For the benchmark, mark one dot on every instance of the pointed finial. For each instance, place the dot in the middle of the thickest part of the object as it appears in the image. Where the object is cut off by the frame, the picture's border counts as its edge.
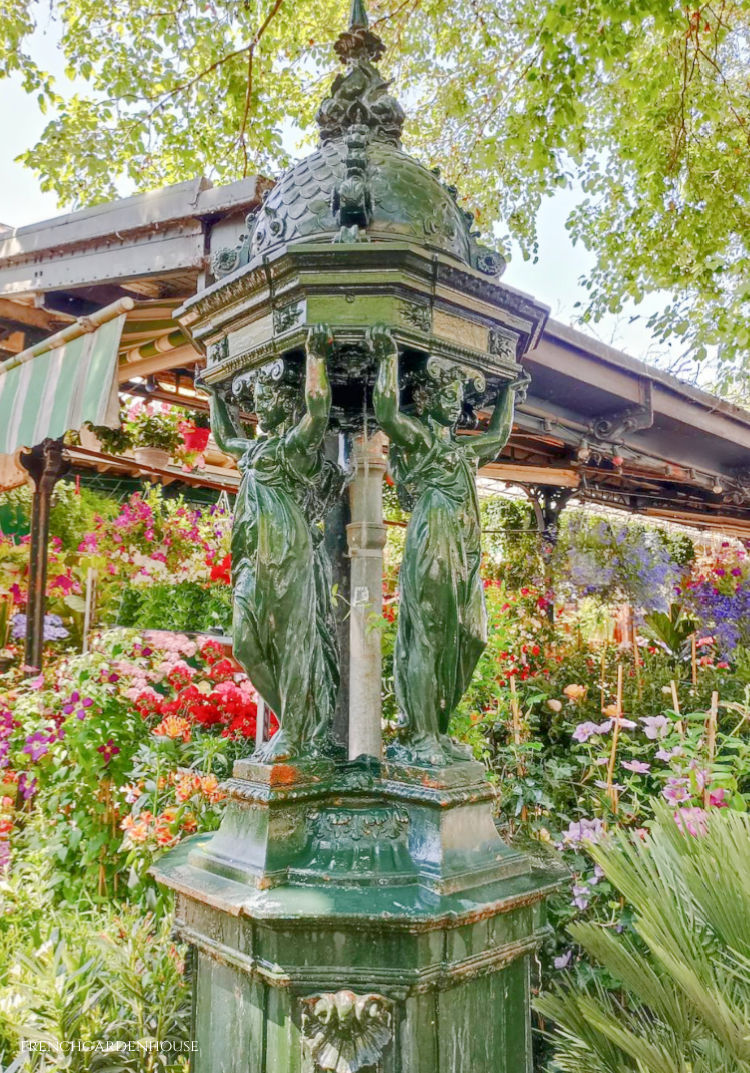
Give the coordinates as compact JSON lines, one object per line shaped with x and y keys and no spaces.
{"x":358,"y":18}
{"x":358,"y":42}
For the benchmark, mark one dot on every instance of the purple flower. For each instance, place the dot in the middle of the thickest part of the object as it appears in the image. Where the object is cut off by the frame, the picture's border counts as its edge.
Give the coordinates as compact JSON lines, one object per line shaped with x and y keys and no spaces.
{"x":606,"y":786}
{"x":4,"y":854}
{"x":584,"y":731}
{"x":655,"y":726}
{"x":53,"y":627}
{"x":583,"y":830}
{"x":626,"y":724}
{"x":36,"y":745}
{"x":580,"y":896}
{"x":26,"y":786}
{"x":636,"y":765}
{"x":563,"y":961}
{"x":668,"y":754}
{"x":108,"y":750}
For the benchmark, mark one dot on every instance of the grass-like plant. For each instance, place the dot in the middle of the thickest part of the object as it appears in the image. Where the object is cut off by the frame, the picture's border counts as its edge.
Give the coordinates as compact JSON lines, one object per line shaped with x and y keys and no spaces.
{"x":683,"y":1002}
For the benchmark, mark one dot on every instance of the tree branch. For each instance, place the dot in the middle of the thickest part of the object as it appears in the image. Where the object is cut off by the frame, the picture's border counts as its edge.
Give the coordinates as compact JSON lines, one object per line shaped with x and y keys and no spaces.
{"x":249,"y":92}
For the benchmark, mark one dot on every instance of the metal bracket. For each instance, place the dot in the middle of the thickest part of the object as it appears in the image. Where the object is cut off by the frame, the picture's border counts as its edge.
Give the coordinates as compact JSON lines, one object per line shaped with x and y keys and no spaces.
{"x":619,"y":423}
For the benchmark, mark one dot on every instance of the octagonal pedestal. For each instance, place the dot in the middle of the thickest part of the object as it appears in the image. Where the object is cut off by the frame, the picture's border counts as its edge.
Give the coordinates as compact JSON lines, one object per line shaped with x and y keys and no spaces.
{"x":358,"y":917}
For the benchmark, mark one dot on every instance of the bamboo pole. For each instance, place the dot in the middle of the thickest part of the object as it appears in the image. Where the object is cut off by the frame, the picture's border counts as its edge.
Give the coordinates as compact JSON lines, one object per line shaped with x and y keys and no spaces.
{"x":516,"y":713}
{"x":693,"y":660}
{"x":602,"y":674}
{"x":711,"y":725}
{"x":88,"y":607}
{"x":636,"y":658}
{"x":79,"y":327}
{"x":611,"y":791}
{"x":676,"y":707}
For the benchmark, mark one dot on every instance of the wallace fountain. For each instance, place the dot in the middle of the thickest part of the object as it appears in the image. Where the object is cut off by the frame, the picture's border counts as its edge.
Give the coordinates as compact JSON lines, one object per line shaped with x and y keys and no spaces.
{"x":357,"y":909}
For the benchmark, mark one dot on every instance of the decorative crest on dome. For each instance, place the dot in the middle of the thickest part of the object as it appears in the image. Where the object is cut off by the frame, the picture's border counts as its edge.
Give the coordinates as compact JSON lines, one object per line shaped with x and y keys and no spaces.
{"x":358,"y":41}
{"x":360,"y":96}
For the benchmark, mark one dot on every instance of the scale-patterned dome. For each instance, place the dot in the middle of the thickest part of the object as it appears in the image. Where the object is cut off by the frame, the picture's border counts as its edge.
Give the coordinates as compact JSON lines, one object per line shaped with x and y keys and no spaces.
{"x":359,"y":184}
{"x":406,"y":200}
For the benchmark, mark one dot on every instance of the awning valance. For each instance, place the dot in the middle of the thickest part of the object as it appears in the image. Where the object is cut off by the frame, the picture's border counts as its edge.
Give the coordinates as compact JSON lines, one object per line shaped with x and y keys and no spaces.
{"x":63,"y":382}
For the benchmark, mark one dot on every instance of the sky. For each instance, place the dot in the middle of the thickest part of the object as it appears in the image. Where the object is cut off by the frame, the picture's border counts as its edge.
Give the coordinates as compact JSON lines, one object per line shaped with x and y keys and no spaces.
{"x":553,"y":280}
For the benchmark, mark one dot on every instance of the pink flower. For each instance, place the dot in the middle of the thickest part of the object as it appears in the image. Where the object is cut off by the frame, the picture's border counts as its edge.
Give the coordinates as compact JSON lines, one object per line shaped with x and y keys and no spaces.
{"x":718,"y":798}
{"x":668,"y":754}
{"x":691,"y":821}
{"x":655,"y":726}
{"x":637,"y":766}
{"x":676,"y":791}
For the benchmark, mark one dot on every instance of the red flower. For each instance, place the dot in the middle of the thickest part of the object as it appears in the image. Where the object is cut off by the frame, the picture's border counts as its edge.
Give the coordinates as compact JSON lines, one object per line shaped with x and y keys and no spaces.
{"x":223,"y":670}
{"x":212,"y":651}
{"x":221,"y":571}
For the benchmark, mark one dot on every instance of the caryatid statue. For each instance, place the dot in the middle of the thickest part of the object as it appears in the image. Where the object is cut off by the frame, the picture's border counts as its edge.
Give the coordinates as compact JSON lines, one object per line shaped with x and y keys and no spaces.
{"x":283,"y":627}
{"x":442,"y":623}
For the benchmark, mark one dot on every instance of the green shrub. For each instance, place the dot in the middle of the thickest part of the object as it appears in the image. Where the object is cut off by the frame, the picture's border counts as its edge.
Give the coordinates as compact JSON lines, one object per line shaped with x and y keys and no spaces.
{"x":682,"y":1000}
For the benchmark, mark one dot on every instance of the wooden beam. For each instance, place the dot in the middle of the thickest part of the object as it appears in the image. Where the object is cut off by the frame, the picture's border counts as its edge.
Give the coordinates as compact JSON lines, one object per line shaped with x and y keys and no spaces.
{"x":13,"y":343}
{"x":171,"y":359}
{"x":518,"y":474}
{"x":28,"y":315}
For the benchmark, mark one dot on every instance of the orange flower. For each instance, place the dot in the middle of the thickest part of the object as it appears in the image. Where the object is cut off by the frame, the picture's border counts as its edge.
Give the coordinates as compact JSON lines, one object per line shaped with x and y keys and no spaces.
{"x":575,"y":692}
{"x":189,"y":822}
{"x":174,"y":726}
{"x":210,"y":787}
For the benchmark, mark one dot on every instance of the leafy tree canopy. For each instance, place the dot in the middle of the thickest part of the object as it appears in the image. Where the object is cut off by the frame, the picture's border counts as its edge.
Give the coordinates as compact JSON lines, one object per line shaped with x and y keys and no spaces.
{"x":644,"y":103}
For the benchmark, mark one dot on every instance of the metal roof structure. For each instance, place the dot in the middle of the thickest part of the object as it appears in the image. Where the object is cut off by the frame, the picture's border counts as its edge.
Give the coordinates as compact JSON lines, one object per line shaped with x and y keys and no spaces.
{"x":597,"y":423}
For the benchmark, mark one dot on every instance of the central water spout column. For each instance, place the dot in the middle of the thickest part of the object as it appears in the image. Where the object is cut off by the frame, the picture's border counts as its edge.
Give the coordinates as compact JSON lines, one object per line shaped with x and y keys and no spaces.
{"x":366,"y":537}
{"x":357,"y":910}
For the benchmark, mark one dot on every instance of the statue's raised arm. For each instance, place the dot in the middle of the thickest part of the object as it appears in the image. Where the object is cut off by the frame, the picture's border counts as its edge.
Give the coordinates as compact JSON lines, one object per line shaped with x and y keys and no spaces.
{"x":402,"y":430}
{"x":307,"y":435}
{"x":222,"y":426}
{"x":487,"y":445}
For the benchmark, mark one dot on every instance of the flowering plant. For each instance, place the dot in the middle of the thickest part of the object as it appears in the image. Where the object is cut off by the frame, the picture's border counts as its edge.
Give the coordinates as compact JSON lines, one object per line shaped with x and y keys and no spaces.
{"x":121,"y":750}
{"x":717,"y":591}
{"x":152,"y":425}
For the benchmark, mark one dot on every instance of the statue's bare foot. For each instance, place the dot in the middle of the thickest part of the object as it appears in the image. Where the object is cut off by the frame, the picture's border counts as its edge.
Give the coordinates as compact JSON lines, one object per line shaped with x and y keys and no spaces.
{"x":456,"y":750}
{"x":424,"y":751}
{"x":274,"y":750}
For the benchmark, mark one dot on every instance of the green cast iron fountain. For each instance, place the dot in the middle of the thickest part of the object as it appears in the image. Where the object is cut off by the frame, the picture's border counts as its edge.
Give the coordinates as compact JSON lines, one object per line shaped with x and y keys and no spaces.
{"x":358,"y":911}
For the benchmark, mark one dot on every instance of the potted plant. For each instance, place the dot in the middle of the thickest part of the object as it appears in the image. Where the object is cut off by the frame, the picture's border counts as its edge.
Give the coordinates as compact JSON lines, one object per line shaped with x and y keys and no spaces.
{"x":110,"y":441}
{"x":194,"y":429}
{"x":154,"y":431}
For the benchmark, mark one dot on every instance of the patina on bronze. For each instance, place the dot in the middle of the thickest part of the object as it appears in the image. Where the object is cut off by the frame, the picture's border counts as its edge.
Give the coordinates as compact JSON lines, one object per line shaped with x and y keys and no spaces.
{"x":362,"y":914}
{"x":442,"y":622}
{"x":283,"y":629}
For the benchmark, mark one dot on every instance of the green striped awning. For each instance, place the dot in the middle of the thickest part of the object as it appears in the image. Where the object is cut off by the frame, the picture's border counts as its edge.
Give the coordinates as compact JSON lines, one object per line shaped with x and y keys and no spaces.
{"x":50,"y":393}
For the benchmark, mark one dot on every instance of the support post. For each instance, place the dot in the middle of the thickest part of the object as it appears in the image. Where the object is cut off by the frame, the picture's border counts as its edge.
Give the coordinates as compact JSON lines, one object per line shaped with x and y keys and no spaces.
{"x":548,"y":503}
{"x":45,"y":464}
{"x":338,"y":518}
{"x":366,"y":537}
